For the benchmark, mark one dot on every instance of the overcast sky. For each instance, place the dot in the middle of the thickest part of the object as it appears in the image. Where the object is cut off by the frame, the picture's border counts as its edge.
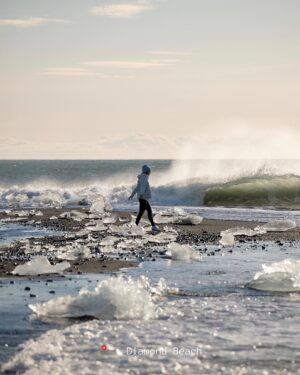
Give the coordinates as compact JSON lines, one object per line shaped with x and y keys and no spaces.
{"x":149,"y":79}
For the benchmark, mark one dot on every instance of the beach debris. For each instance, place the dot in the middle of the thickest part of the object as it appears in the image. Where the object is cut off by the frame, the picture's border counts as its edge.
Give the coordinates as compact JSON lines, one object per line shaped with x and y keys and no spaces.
{"x":182,"y":252}
{"x":281,"y":276}
{"x":115,"y":298}
{"x":40,"y":265}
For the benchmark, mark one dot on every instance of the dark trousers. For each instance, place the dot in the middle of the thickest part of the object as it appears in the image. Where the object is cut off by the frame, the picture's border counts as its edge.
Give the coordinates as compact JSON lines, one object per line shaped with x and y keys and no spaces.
{"x":144,"y":205}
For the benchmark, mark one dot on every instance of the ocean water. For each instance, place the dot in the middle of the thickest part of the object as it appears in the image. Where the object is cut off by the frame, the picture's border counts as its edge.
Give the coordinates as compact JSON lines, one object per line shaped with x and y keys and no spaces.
{"x":192,"y":183}
{"x":230,"y":311}
{"x":223,"y":314}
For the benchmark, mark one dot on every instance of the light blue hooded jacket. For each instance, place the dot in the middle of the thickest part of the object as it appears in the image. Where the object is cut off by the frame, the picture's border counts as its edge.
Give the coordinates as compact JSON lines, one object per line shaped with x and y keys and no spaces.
{"x":142,"y":188}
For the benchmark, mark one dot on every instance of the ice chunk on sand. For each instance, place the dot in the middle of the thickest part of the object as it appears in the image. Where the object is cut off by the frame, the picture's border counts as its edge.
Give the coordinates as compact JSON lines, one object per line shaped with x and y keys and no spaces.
{"x":115,"y":298}
{"x":281,"y":276}
{"x":40,"y":265}
{"x":191,"y":219}
{"x":162,"y":238}
{"x":175,"y":211}
{"x":97,"y":228}
{"x":170,"y":230}
{"x":109,"y":241}
{"x":82,"y":232}
{"x":182,"y":252}
{"x":227,"y":239}
{"x":100,"y":206}
{"x":274,"y":226}
{"x":21,"y":213}
{"x":74,"y":252}
{"x":110,"y":220}
{"x":278,"y":226}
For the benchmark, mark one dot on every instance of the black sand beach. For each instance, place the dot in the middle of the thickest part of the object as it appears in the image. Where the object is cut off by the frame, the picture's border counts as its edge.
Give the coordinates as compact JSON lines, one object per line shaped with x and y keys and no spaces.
{"x":208,"y":232}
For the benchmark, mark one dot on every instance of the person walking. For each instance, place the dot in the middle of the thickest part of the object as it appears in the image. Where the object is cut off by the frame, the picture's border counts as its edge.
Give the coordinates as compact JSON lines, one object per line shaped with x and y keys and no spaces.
{"x":143,"y":192}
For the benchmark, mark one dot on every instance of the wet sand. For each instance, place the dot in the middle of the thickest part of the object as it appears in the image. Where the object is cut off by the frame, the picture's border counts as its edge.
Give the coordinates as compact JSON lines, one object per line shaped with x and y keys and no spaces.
{"x":208,"y":232}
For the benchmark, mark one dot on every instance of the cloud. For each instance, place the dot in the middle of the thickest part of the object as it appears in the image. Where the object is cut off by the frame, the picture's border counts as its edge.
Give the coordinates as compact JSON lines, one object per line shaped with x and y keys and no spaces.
{"x":67,"y":72}
{"x":120,"y":10}
{"x":129,"y":64}
{"x":133,"y":146}
{"x":30,"y":22}
{"x":170,"y":53}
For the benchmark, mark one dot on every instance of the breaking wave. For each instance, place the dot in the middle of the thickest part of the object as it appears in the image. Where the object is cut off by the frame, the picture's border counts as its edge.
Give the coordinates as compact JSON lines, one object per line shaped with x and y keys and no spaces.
{"x":256,"y":191}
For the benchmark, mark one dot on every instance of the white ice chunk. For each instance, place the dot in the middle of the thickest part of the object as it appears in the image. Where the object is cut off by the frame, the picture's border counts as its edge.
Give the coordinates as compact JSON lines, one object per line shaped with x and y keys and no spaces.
{"x":108,"y":249}
{"x":36,"y":213}
{"x":79,"y":215}
{"x":175,"y":211}
{"x":191,"y":219}
{"x":97,"y":228}
{"x":100,"y":206}
{"x":21,"y":213}
{"x":170,"y":230}
{"x":82,"y":232}
{"x":53,"y":218}
{"x":274,"y":226}
{"x":74,"y":252}
{"x":109,"y":241}
{"x":281,"y":276}
{"x":278,"y":226}
{"x":40,"y":265}
{"x":115,"y":298}
{"x":227,"y":239}
{"x":110,"y":220}
{"x":162,"y":238}
{"x":182,"y":252}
